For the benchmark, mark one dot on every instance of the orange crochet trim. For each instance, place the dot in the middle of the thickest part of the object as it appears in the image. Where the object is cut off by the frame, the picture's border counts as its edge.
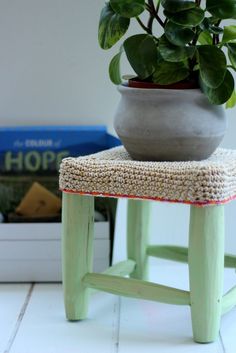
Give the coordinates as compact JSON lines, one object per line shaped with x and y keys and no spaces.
{"x":195,"y":203}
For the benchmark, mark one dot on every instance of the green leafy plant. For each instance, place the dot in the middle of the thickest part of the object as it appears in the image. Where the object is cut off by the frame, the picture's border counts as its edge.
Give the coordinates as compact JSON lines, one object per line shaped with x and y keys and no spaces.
{"x":194,"y":44}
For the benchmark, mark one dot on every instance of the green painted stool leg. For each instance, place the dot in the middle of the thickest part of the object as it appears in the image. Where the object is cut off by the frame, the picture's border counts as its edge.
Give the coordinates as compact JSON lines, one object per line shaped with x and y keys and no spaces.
{"x":137,"y":236}
{"x":77,"y":249}
{"x":206,"y":266}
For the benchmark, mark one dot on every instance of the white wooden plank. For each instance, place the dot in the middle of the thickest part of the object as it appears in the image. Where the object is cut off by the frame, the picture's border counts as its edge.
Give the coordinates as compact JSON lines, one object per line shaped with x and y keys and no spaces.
{"x":40,"y":271}
{"x":40,"y":261}
{"x":157,"y":327}
{"x":12,"y":299}
{"x":43,"y":231}
{"x":44,"y":250}
{"x":44,"y":328}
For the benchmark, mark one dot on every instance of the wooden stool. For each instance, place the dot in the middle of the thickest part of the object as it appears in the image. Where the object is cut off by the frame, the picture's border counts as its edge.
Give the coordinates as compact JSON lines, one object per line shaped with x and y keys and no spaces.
{"x":206,"y":185}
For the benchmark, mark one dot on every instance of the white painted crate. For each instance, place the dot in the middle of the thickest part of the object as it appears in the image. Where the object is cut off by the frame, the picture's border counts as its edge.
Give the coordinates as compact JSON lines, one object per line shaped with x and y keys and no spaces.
{"x":31,"y":252}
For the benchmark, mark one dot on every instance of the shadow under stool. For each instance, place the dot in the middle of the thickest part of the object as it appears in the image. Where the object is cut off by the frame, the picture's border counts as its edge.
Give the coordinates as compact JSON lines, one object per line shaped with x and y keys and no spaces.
{"x":205,"y":185}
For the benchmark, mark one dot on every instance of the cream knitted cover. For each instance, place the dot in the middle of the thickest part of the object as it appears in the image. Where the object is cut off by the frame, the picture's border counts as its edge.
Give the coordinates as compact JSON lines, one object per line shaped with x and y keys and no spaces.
{"x":113,"y":173}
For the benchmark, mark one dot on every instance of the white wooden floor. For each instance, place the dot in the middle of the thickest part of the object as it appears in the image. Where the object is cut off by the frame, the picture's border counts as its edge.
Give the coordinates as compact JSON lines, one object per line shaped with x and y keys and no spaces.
{"x":32,"y":321}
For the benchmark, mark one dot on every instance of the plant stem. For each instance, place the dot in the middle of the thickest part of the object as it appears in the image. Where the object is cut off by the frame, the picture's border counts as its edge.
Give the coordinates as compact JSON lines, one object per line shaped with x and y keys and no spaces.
{"x":148,"y":7}
{"x":150,"y":23}
{"x":146,"y":29}
{"x":151,"y":8}
{"x":159,"y":20}
{"x":191,"y":64}
{"x":195,"y":39}
{"x":151,"y":18}
{"x":150,"y":3}
{"x":158,"y":5}
{"x":216,"y":37}
{"x":194,"y":42}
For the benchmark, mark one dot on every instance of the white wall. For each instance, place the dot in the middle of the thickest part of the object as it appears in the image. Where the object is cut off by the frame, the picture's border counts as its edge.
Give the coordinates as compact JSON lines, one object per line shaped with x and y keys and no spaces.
{"x":51,"y":67}
{"x":52,"y":71}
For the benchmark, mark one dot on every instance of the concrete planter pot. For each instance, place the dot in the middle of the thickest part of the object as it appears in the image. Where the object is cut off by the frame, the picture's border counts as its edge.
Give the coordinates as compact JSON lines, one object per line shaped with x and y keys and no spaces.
{"x":168,"y":124}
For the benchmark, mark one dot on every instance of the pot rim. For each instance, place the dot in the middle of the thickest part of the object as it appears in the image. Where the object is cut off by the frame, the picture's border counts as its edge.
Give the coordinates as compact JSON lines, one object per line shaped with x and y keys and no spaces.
{"x":124,"y":88}
{"x":182,"y":85}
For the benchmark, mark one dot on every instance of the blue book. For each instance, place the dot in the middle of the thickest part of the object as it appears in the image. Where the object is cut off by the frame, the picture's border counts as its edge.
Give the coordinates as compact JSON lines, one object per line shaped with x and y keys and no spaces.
{"x":40,"y":149}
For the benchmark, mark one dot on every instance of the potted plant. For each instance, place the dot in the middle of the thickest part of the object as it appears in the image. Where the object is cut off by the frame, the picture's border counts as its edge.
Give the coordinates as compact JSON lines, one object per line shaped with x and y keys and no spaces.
{"x":183,"y":60}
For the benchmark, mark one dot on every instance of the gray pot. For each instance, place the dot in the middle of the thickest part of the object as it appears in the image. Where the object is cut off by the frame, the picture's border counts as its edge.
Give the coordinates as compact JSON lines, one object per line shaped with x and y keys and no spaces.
{"x":168,"y":125}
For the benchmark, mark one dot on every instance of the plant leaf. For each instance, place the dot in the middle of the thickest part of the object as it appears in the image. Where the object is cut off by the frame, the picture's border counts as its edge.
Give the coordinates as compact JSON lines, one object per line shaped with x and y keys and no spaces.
{"x":141,"y":51}
{"x":212,"y":64}
{"x":173,"y":53}
{"x":208,"y":25}
{"x":222,"y":93}
{"x":215,"y":30}
{"x":128,"y":77}
{"x":178,"y":35}
{"x":188,"y":18}
{"x":177,"y":5}
{"x":167,"y":72}
{"x":205,"y":24}
{"x":205,"y":38}
{"x":221,"y":8}
{"x":128,"y":8}
{"x":229,"y":34}
{"x":114,"y":69}
{"x":232,"y":53}
{"x":111,"y":27}
{"x":232,"y":101}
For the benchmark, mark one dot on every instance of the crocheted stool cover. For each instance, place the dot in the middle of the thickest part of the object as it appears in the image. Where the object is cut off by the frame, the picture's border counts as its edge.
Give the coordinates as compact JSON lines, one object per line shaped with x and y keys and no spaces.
{"x":113,"y":173}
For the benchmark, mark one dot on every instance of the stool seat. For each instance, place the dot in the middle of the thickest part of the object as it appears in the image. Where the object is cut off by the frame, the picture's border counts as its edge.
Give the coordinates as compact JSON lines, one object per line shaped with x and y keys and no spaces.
{"x":113,"y":173}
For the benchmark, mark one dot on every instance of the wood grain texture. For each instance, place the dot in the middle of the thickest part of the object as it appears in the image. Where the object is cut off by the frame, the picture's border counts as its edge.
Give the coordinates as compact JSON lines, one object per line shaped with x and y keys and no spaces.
{"x":134,"y":288}
{"x":77,"y":248}
{"x":138,"y":216}
{"x":206,"y":265}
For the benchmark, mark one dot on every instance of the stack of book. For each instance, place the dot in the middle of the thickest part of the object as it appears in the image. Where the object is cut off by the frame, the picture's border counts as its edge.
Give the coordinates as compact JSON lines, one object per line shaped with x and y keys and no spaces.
{"x":30,"y":202}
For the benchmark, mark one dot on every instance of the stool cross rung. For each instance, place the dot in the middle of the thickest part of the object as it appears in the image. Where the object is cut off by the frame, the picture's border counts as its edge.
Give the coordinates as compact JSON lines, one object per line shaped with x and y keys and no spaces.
{"x":122,"y":268}
{"x":229,"y":300}
{"x":180,"y":254}
{"x":174,"y":253}
{"x":135,"y":288}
